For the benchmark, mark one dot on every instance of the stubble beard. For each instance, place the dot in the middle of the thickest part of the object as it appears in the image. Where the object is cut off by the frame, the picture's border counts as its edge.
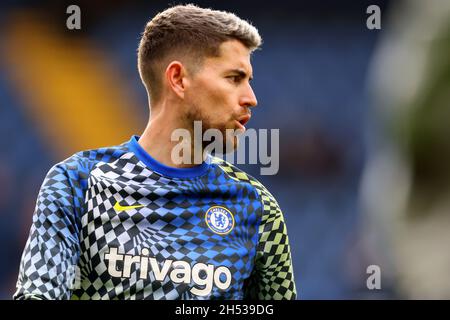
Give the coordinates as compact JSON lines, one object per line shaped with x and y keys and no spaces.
{"x":195,"y":114}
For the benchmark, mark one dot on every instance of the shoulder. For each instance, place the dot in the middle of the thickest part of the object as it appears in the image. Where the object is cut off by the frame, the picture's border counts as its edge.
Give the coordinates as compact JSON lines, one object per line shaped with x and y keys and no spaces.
{"x":241,"y":176}
{"x":77,"y":166}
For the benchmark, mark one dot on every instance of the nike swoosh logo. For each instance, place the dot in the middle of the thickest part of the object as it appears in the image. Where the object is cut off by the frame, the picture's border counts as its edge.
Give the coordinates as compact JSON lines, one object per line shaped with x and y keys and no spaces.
{"x":119,"y":207}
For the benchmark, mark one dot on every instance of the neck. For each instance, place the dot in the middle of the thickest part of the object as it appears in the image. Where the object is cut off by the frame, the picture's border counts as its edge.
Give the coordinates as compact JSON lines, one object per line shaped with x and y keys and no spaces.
{"x":156,"y":138}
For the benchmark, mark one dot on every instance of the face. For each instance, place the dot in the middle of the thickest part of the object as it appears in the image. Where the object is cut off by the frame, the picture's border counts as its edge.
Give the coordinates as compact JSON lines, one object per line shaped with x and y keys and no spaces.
{"x":219,"y":93}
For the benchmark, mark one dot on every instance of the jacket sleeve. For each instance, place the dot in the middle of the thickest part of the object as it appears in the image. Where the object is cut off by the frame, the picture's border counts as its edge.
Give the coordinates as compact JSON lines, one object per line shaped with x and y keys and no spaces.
{"x":272,"y":277}
{"x":48,"y":263}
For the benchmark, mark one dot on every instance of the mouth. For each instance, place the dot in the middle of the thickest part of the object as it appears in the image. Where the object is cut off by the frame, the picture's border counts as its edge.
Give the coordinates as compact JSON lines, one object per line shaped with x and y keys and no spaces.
{"x":242,"y":121}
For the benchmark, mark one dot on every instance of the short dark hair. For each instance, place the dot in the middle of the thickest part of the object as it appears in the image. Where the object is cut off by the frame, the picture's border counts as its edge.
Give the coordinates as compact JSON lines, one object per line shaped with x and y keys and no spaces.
{"x":191,"y":32}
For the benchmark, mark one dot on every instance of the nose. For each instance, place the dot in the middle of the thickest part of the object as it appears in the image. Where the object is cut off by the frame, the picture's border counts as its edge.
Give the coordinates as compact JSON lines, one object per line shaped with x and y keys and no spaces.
{"x":248,"y":98}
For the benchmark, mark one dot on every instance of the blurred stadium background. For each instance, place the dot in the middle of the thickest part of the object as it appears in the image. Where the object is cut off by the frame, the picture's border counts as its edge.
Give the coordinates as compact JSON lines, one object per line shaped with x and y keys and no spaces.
{"x":325,"y":80}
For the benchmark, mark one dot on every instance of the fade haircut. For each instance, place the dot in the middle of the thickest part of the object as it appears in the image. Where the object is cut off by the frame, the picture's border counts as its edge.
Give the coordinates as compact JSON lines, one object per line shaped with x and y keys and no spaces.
{"x":191,"y":33}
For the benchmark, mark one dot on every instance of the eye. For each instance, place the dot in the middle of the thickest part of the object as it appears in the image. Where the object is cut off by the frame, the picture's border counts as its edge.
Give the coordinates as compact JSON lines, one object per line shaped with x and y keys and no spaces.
{"x":235,"y":78}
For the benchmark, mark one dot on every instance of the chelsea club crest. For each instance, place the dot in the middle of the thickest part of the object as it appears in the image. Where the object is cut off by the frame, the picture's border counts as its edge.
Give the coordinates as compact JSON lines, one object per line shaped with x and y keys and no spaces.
{"x":219,"y":219}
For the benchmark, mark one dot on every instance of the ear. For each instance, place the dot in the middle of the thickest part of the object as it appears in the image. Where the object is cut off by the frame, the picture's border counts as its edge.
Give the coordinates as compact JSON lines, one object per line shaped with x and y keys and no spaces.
{"x":176,"y":77}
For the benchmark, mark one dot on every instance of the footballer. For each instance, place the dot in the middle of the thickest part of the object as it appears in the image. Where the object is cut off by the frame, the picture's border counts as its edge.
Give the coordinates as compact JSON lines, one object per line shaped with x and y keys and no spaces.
{"x":128,"y":222}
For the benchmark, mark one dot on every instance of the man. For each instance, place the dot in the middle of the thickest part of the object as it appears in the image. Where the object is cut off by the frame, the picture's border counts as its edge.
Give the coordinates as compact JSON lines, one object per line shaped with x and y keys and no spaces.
{"x":132,"y":222}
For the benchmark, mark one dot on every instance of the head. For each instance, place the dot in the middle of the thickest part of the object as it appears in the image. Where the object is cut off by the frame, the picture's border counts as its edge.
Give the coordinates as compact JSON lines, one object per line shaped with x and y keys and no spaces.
{"x":197,"y":62}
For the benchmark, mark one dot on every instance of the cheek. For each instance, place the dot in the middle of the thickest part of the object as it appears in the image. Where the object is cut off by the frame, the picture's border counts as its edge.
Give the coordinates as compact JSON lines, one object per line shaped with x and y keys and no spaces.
{"x":212,"y":99}
{"x":214,"y":89}
{"x":216,"y":96}
{"x":216,"y":102}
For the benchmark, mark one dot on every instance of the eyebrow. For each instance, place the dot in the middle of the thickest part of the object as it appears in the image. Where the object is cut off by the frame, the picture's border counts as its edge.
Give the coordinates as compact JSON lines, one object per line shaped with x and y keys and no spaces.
{"x":241,"y":73}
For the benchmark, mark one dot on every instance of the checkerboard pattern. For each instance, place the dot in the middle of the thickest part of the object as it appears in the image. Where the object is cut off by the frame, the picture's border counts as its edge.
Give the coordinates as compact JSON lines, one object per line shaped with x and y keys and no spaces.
{"x":75,"y":224}
{"x":273,"y":276}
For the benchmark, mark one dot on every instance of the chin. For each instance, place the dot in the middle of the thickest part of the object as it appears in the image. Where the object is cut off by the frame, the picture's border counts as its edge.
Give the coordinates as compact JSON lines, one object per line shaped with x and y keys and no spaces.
{"x":232,"y":141}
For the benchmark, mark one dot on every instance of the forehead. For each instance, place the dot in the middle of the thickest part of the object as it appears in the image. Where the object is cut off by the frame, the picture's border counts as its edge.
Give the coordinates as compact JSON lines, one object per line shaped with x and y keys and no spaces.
{"x":233,"y":55}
